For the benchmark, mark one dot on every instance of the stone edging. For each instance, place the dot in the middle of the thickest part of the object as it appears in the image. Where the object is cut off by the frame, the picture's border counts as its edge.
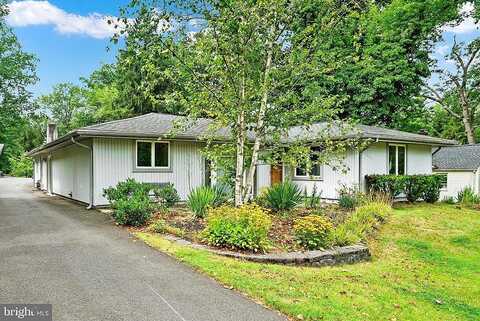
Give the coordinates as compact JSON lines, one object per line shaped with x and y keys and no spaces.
{"x":335,"y":256}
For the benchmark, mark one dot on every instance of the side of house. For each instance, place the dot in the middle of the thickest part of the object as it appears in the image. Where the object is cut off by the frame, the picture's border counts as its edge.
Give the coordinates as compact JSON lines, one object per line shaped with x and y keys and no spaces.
{"x":459,"y":167}
{"x":82,"y":163}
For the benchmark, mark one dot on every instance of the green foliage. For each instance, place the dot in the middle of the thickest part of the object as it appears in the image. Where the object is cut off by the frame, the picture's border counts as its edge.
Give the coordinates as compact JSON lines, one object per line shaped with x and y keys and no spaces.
{"x":167,"y":195}
{"x":244,"y":228}
{"x":283,"y":196}
{"x":468,"y":197}
{"x":312,"y":232}
{"x":130,"y":202}
{"x":313,"y":200}
{"x":21,"y":166}
{"x":200,"y":199}
{"x":348,"y":197}
{"x":361,"y":223}
{"x":159,"y":226}
{"x":413,"y":186}
{"x":448,"y":200}
{"x":432,"y":186}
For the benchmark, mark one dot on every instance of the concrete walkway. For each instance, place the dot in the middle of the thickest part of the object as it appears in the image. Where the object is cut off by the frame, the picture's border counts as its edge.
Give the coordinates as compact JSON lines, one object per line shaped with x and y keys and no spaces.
{"x":55,"y":251}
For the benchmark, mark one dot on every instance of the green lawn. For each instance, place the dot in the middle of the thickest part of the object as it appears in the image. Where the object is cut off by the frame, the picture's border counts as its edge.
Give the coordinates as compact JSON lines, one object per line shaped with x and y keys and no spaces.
{"x":426,"y":266}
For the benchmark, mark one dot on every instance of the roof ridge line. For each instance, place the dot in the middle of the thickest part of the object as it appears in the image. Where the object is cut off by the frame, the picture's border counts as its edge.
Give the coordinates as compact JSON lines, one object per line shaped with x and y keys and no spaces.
{"x":116,"y":121}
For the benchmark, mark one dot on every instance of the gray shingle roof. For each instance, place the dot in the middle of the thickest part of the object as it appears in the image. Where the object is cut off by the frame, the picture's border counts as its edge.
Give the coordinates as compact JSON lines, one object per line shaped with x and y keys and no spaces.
{"x":155,"y":125}
{"x":457,"y":157}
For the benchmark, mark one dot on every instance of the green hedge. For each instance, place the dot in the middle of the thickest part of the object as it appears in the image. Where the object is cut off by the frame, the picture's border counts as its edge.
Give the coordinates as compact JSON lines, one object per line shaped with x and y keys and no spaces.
{"x":426,"y":187}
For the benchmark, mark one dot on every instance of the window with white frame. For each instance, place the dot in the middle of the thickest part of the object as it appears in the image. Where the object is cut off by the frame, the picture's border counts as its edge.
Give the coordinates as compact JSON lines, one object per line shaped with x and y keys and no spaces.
{"x":152,"y":154}
{"x":397,"y":155}
{"x":316,"y":168}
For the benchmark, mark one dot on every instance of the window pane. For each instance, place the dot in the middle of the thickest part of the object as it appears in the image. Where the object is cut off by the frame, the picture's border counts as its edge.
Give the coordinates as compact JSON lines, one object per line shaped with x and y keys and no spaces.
{"x":401,"y":160}
{"x":144,"y":154}
{"x":316,"y":170}
{"x":392,"y":159}
{"x":300,"y":171}
{"x":161,"y":155}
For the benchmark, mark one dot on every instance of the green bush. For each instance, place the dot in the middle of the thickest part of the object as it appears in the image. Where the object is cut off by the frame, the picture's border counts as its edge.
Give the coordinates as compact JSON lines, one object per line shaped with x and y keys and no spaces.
{"x":167,"y":195}
{"x":432,"y":186}
{"x":362,"y":222}
{"x":21,"y":166}
{"x":244,"y":228}
{"x":159,"y":226}
{"x":448,"y":200}
{"x":283,"y":196}
{"x":468,"y":196}
{"x":223,"y":193}
{"x":130,"y":202}
{"x":413,"y":186}
{"x":312,"y":232}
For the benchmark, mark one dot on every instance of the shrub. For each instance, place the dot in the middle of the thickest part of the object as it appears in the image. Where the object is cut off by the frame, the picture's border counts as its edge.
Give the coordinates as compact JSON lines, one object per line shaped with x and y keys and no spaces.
{"x":244,"y":228}
{"x":432,"y":186}
{"x":313,"y":200}
{"x":223,"y":193}
{"x":468,"y":196}
{"x":130,"y":202}
{"x":200,"y":199}
{"x":312,"y":232}
{"x":283,"y":196}
{"x":414,"y":187}
{"x":21,"y":166}
{"x":134,"y":211}
{"x":167,"y":194}
{"x":388,"y":184}
{"x":362,"y":222}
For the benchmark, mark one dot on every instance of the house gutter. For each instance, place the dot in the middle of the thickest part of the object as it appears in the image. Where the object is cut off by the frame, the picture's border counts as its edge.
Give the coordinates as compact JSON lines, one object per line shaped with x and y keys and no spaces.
{"x":90,"y":205}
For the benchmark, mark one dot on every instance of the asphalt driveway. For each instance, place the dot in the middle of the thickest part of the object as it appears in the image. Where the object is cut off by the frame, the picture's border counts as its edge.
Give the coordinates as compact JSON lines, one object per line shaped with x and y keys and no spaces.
{"x":55,"y":251}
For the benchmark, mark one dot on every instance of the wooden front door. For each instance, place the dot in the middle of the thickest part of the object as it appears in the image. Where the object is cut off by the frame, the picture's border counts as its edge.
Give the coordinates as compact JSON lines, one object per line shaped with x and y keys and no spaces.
{"x":276,"y":174}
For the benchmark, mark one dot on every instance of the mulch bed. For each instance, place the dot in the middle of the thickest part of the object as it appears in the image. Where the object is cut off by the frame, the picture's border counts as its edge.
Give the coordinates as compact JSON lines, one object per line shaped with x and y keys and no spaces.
{"x":281,"y":232}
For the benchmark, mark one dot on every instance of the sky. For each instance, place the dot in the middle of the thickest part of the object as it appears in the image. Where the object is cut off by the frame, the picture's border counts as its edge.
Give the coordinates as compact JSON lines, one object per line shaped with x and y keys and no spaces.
{"x":70,"y":38}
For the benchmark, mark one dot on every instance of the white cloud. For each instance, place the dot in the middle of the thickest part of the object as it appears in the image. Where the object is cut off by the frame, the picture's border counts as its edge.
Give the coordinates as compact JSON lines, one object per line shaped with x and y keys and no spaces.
{"x":468,"y":24}
{"x":29,"y":13}
{"x":442,"y":50}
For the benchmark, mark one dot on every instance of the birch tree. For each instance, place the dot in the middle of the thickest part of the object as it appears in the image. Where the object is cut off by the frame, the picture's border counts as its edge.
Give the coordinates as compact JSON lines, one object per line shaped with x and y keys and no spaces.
{"x":249,"y":67}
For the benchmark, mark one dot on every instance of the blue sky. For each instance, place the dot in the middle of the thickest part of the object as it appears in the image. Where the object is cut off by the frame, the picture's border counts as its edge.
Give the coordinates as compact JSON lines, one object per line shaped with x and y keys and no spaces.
{"x":70,"y":37}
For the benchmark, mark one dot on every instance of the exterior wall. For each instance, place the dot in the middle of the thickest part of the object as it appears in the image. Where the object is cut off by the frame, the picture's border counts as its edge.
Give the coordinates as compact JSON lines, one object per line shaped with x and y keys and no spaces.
{"x":332,"y":179}
{"x":114,"y":162}
{"x":71,"y":173}
{"x":419,"y":159}
{"x":458,"y":180}
{"x":43,"y":174}
{"x":263,"y":178}
{"x":37,"y":175}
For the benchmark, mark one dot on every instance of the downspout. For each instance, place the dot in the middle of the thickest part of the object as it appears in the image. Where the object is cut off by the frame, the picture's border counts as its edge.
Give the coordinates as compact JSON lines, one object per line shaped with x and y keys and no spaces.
{"x":90,"y":205}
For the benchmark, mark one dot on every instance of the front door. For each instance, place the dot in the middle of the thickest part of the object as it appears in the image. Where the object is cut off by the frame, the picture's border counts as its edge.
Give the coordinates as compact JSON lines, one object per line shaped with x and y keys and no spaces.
{"x":276,"y":174}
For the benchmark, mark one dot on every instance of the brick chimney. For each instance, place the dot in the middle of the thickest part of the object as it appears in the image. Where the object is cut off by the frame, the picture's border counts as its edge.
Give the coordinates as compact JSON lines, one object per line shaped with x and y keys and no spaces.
{"x":52,"y":133}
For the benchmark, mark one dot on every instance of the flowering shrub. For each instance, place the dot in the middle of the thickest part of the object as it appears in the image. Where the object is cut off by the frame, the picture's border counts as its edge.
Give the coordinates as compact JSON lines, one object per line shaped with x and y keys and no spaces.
{"x":244,"y":228}
{"x":313,"y":231}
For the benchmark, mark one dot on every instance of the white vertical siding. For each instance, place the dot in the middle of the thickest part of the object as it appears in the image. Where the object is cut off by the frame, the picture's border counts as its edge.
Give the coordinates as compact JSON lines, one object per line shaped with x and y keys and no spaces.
{"x":457,"y":181}
{"x":43,"y":174}
{"x":263,"y":177}
{"x":114,"y":162}
{"x":419,"y":159}
{"x":37,"y":175}
{"x":71,"y":173}
{"x":333,"y":178}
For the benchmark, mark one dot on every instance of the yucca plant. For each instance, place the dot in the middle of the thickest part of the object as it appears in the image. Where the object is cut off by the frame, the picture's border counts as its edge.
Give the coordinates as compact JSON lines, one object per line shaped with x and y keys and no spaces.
{"x":283,"y":196}
{"x":200,"y":199}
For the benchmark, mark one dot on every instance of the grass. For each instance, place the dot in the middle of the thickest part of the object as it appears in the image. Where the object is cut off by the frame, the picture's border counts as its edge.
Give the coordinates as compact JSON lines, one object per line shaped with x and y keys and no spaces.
{"x":426,"y":266}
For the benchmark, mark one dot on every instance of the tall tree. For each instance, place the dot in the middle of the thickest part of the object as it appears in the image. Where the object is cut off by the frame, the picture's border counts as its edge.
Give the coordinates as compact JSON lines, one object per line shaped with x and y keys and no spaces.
{"x":246,"y":69}
{"x":17,"y":72}
{"x":457,"y":91}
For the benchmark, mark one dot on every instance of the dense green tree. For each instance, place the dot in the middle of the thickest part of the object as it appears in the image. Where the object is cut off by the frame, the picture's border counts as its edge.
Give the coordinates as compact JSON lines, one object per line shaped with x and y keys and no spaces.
{"x":17,"y":72}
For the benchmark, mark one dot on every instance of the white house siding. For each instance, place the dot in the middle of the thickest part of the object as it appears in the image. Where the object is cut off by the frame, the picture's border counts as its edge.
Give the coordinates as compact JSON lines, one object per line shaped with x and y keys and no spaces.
{"x":419,"y":159}
{"x":71,"y":173}
{"x":457,"y":181}
{"x":114,"y":162}
{"x":43,"y":174}
{"x":332,"y":179}
{"x":263,"y":177}
{"x":36,"y":171}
